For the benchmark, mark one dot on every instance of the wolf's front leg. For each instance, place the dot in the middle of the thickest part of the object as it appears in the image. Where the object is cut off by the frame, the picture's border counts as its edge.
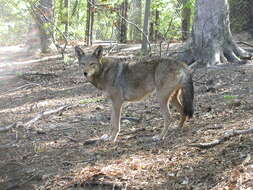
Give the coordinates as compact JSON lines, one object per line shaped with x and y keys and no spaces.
{"x":115,"y":121}
{"x":115,"y":118}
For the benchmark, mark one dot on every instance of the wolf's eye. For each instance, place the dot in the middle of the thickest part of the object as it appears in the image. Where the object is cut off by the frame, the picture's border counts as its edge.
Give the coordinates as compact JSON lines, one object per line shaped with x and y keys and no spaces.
{"x":92,"y":64}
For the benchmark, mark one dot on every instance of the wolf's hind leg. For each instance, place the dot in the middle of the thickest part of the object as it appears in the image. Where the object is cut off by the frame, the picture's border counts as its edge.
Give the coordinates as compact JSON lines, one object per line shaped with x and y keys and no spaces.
{"x":165,"y":111}
{"x":175,"y":100}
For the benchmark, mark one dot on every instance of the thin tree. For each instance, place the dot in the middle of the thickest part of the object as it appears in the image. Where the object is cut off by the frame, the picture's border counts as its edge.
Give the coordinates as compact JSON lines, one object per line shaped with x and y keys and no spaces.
{"x":136,"y":17}
{"x":144,"y":46}
{"x":90,"y":21}
{"x":66,"y":16}
{"x":186,"y":19}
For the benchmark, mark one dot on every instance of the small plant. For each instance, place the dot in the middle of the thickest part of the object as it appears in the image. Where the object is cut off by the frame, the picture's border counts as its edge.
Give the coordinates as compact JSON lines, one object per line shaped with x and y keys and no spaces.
{"x":68,"y":60}
{"x":19,"y":74}
{"x":230,"y":97}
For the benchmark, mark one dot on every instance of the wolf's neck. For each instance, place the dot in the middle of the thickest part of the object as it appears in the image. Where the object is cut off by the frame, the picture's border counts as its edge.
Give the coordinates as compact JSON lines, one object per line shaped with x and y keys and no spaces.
{"x":105,"y":75}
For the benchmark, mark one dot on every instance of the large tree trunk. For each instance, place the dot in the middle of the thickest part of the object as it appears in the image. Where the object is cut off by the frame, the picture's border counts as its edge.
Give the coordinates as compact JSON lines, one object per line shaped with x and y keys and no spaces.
{"x":212,"y":41}
{"x":144,"y":45}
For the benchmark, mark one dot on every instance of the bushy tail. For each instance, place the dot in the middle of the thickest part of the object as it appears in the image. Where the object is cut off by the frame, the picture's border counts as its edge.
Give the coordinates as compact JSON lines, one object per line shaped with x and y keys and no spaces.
{"x":188,"y":96}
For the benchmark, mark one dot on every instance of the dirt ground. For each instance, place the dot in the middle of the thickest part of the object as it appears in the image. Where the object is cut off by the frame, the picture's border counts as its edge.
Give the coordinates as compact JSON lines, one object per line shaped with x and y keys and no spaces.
{"x":53,"y":152}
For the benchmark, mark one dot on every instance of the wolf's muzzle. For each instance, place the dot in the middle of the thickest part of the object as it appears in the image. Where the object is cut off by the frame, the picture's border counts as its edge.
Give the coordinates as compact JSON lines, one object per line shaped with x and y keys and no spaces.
{"x":85,"y":74}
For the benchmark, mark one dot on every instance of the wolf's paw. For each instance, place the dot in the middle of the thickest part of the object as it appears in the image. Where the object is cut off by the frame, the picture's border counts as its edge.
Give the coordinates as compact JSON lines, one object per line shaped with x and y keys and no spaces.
{"x":156,"y":138}
{"x":105,"y":137}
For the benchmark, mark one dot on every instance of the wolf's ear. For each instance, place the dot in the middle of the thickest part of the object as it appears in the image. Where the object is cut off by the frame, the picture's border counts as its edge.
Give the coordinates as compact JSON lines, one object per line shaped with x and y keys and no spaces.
{"x":79,"y":52}
{"x":98,"y":53}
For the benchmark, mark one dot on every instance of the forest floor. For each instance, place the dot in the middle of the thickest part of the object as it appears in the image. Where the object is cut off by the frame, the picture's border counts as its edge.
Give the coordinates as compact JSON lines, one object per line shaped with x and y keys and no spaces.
{"x":53,"y":153}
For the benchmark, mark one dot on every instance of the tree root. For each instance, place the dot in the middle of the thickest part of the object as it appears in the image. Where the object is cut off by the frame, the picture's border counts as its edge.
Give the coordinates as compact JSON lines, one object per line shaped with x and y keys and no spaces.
{"x":222,"y":139}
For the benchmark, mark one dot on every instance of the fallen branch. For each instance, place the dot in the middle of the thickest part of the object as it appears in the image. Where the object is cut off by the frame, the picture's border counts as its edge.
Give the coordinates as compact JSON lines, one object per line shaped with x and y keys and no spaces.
{"x":43,"y":114}
{"x":222,"y":139}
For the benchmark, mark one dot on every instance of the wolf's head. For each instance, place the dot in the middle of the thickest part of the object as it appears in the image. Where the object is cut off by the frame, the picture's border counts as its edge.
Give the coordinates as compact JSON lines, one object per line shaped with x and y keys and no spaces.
{"x":90,"y":64}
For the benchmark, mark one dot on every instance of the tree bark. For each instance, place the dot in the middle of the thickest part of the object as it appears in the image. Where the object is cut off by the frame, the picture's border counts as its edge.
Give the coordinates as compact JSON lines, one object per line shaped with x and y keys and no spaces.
{"x":186,"y":19}
{"x":212,"y":41}
{"x":251,"y":17}
{"x":66,"y":16}
{"x":123,"y":23}
{"x":89,"y":22}
{"x":46,"y":7}
{"x":144,"y":45}
{"x":136,"y":17}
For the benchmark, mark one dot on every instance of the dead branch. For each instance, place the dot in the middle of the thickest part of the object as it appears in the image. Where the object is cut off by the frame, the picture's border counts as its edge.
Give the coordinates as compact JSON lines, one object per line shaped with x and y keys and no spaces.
{"x":222,"y":139}
{"x":43,"y":114}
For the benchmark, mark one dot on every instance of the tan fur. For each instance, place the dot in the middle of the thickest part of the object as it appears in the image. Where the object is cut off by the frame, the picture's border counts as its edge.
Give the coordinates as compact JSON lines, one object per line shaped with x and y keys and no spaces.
{"x":124,"y":82}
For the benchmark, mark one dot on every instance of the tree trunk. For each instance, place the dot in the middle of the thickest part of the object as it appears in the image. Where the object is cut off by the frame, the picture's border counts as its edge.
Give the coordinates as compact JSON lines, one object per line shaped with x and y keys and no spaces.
{"x":251,"y":17}
{"x":123,"y":23}
{"x":144,"y":46}
{"x":46,"y":8}
{"x":212,"y":41}
{"x":157,"y":15}
{"x":89,"y":22}
{"x":186,"y":19}
{"x":66,"y":16}
{"x":136,"y":15}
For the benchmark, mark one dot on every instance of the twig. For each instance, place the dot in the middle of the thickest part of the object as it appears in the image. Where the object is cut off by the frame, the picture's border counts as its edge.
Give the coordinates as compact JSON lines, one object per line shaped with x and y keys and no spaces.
{"x":222,"y":139}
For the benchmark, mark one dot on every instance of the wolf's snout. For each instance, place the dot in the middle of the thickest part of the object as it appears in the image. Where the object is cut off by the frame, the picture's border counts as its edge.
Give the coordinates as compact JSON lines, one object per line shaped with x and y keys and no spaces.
{"x":85,"y":74}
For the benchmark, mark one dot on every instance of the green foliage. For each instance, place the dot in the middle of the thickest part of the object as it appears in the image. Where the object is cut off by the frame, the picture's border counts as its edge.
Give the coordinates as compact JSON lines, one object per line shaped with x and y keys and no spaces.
{"x":229,"y":97}
{"x":68,"y":60}
{"x":13,"y":25}
{"x":170,"y":16}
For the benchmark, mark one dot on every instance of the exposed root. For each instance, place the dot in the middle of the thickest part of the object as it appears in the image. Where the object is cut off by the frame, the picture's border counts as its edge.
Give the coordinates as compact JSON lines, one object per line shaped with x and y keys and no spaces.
{"x":222,"y":139}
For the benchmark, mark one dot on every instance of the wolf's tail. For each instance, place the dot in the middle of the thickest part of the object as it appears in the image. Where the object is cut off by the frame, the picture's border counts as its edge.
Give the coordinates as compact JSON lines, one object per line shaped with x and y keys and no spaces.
{"x":188,"y":96}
